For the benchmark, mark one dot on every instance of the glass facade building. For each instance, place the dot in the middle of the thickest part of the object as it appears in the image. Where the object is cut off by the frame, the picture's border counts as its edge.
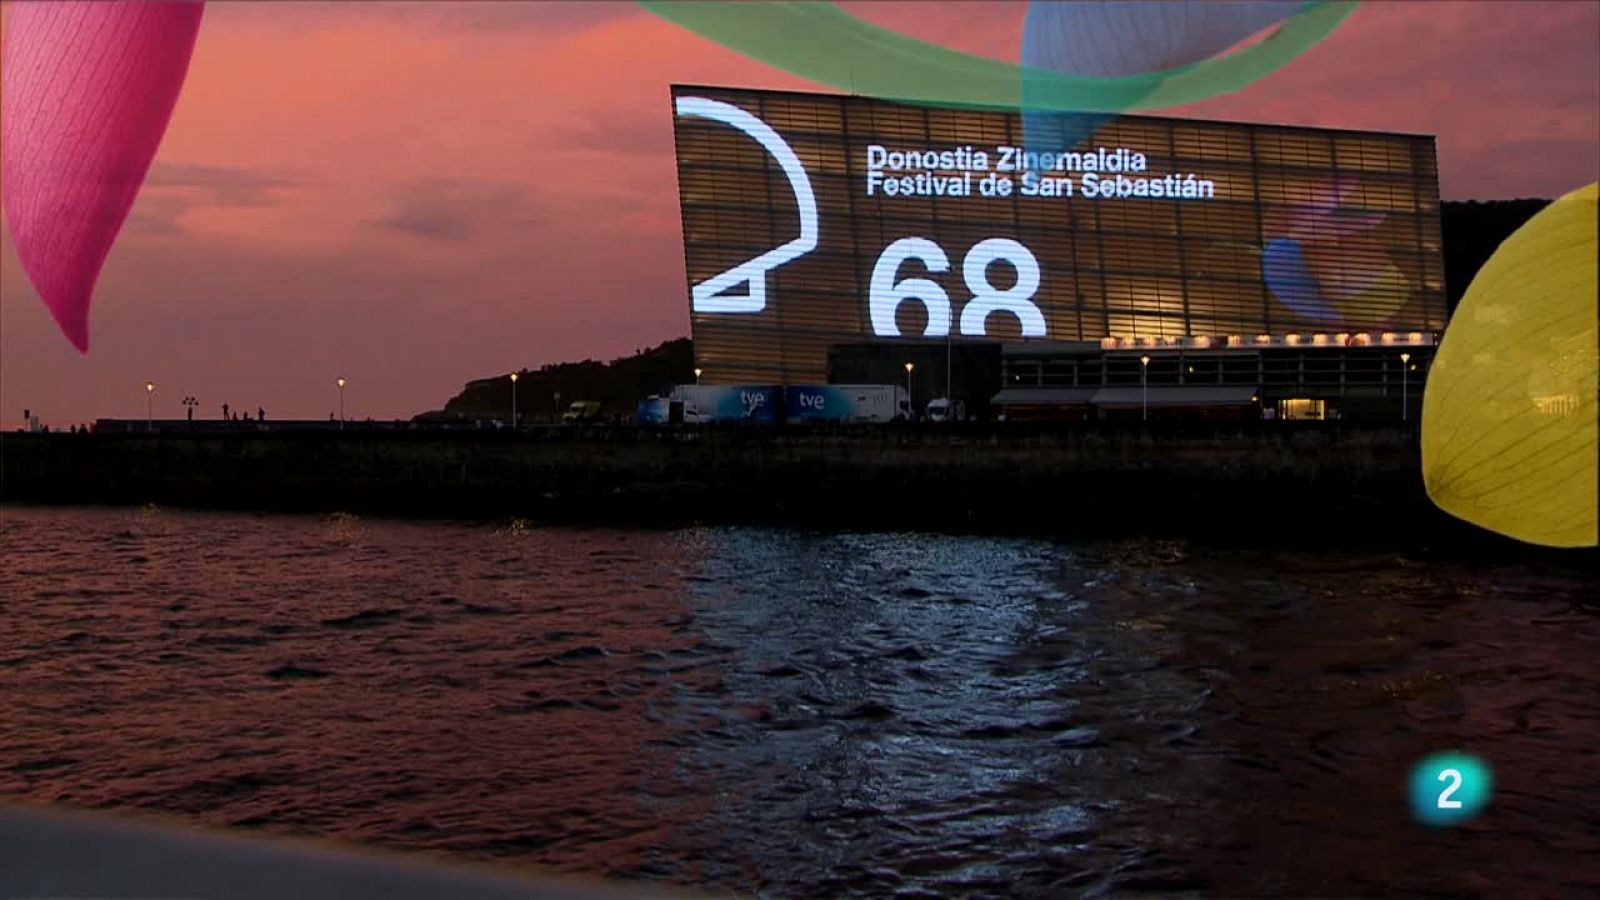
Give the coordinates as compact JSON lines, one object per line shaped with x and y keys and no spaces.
{"x":814,"y":221}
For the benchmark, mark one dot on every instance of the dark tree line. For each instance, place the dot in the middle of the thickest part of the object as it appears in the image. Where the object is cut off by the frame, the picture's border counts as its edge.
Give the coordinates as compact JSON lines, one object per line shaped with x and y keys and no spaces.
{"x":1469,"y":233}
{"x":618,"y":385}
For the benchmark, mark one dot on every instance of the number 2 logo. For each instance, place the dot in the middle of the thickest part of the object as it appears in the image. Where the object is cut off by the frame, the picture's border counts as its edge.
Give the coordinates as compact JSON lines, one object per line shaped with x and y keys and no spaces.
{"x":1449,"y":789}
{"x":1454,"y":777}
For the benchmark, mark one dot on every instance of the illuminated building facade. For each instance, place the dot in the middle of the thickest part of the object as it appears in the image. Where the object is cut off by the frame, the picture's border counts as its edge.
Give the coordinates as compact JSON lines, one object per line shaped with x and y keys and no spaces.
{"x":1300,"y":262}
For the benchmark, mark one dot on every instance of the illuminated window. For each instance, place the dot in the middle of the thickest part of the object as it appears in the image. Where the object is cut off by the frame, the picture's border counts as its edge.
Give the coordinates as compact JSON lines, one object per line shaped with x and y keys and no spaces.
{"x":1302,"y":409}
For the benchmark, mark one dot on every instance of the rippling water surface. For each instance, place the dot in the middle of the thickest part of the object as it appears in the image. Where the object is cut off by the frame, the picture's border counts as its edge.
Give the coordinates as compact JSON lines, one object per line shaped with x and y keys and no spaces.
{"x":799,"y":713}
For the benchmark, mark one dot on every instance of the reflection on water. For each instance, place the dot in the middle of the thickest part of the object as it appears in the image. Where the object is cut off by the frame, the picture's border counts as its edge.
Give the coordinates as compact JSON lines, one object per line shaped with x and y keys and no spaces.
{"x":803,"y":713}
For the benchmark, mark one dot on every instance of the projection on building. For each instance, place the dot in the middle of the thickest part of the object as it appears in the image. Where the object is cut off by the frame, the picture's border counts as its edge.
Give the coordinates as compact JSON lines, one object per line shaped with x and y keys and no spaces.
{"x":811,"y":221}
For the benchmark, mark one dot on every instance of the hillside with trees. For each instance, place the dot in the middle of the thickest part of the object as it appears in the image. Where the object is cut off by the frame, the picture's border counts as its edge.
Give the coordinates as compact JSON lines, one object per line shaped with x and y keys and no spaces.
{"x":618,"y":385}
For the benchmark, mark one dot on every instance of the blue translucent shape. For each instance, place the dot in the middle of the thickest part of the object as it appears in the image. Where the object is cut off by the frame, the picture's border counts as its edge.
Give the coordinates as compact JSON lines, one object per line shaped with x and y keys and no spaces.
{"x":1057,"y":132}
{"x":1121,"y":39}
{"x":1289,"y":277}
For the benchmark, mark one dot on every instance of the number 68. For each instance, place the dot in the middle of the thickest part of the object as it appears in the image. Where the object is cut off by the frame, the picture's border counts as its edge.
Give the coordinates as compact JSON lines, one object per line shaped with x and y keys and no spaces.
{"x":885,"y":294}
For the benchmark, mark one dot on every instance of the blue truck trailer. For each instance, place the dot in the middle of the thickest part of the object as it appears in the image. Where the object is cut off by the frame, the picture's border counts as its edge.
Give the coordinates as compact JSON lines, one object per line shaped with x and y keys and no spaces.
{"x":709,"y":403}
{"x":774,"y":404}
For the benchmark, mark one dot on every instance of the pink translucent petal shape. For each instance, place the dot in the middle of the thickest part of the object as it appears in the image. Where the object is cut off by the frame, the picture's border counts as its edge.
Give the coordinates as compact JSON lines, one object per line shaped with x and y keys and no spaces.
{"x":86,"y":91}
{"x":1334,"y":224}
{"x":1325,"y":217}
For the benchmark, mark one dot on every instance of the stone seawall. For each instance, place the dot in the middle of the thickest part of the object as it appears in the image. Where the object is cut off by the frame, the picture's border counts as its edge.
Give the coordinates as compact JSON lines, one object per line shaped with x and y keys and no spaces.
{"x":1290,"y":484}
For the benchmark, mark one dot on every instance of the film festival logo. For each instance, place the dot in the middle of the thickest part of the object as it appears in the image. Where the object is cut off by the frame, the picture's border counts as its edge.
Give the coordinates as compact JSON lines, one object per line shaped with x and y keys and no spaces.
{"x":893,"y":172}
{"x":711,"y":295}
{"x":721,"y":293}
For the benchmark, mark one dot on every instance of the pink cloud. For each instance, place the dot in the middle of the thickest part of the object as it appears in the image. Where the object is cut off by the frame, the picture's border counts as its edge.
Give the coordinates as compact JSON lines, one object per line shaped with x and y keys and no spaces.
{"x":414,"y":196}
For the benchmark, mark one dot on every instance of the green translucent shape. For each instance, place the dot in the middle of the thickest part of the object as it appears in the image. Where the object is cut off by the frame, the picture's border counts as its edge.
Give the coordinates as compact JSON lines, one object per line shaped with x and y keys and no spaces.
{"x":822,"y":43}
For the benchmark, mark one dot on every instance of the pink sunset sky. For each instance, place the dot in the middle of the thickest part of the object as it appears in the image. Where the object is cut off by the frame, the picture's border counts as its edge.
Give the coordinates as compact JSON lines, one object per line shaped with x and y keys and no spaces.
{"x":414,"y":194}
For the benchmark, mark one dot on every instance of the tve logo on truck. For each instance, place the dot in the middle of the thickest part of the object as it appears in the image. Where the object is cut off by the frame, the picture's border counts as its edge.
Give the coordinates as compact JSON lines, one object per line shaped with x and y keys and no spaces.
{"x":772,"y":404}
{"x":728,"y":403}
{"x":847,"y":403}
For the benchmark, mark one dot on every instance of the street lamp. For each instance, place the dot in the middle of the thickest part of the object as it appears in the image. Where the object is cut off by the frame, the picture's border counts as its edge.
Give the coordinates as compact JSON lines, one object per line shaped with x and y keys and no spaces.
{"x":910,"y":405}
{"x":149,"y":405}
{"x":1144,"y":388}
{"x":341,"y":382}
{"x":191,"y":403}
{"x":513,"y":400}
{"x":948,"y":408}
{"x":697,"y":371}
{"x":1404,"y":358}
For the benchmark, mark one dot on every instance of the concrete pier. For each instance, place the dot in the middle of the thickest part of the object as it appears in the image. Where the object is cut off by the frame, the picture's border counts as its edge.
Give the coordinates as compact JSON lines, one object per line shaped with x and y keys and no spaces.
{"x":1256,"y":483}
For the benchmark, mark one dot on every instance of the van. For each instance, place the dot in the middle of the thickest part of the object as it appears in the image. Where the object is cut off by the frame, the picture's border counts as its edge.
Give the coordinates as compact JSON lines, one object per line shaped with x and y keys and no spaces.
{"x":943,"y":409}
{"x":581,"y":411}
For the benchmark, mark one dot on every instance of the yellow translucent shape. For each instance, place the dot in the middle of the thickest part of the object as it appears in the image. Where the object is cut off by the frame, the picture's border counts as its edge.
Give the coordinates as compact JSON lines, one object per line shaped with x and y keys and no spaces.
{"x":1510,"y":426}
{"x":1380,"y":300}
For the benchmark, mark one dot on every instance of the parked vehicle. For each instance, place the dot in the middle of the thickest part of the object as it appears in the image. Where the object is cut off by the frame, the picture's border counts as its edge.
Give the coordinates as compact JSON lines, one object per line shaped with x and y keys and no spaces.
{"x":581,"y":411}
{"x":772,"y":404}
{"x":705,"y":403}
{"x":848,"y":403}
{"x":656,"y":410}
{"x":943,"y":409}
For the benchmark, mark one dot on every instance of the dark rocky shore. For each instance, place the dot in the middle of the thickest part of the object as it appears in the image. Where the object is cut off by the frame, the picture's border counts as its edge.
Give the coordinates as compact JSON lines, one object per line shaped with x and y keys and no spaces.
{"x":1295,"y":485}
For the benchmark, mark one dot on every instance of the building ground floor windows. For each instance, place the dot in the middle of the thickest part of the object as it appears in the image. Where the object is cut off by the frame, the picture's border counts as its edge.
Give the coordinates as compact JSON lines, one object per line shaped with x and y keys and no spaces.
{"x":1277,"y":378}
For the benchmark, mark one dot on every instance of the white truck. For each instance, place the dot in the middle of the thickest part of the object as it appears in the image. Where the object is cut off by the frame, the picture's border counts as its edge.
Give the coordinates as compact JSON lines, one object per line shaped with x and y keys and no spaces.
{"x":847,"y":403}
{"x":943,"y":409}
{"x":751,"y":403}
